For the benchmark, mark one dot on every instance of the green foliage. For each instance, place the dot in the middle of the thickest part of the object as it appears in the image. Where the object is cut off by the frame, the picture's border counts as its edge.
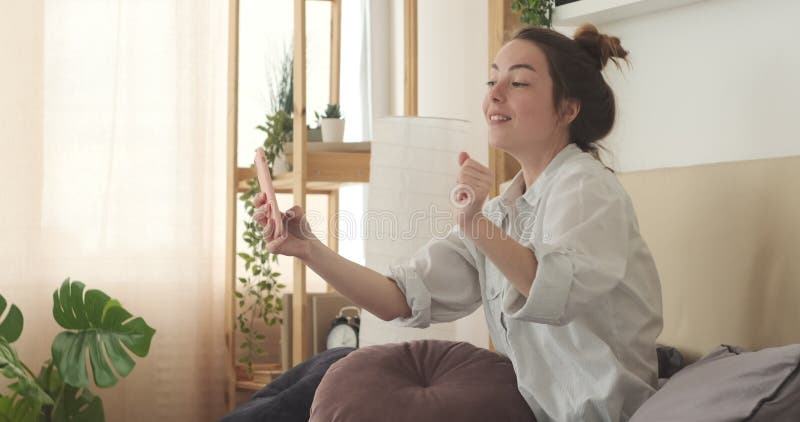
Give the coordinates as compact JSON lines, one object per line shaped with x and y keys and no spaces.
{"x":282,"y":95}
{"x":535,"y":12}
{"x":331,"y":112}
{"x":11,"y":327}
{"x":97,"y":323}
{"x":258,"y":294}
{"x":278,"y":130}
{"x":94,"y":323}
{"x":28,"y":397}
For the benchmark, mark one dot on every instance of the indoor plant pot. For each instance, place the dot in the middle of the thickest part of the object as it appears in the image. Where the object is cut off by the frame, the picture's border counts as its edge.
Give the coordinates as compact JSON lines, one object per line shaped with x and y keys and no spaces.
{"x":332,"y":129}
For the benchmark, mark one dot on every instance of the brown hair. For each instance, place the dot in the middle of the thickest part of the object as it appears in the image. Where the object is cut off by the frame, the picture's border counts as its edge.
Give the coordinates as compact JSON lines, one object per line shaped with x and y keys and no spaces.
{"x":575,"y":67}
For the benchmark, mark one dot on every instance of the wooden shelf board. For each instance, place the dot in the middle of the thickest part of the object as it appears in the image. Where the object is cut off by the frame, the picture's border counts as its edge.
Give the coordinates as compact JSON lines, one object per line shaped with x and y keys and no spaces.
{"x":262,"y":375}
{"x":602,"y":11}
{"x":331,"y":147}
{"x":249,"y":385}
{"x":327,"y":170}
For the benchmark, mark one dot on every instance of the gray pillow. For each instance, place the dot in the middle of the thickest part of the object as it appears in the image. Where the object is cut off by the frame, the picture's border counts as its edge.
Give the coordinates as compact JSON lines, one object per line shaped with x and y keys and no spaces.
{"x":731,"y":385}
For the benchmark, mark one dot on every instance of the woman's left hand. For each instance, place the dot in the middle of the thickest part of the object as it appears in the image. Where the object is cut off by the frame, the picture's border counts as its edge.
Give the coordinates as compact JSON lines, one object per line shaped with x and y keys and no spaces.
{"x":477,"y":180}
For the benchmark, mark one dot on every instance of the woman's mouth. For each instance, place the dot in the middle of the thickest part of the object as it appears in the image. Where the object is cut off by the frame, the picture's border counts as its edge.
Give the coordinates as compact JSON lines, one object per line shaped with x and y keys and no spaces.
{"x":498,"y":119}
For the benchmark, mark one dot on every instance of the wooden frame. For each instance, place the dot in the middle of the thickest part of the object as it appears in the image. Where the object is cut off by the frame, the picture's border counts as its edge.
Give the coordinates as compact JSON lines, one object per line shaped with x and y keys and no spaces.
{"x":336,"y":49}
{"x":299,"y":346}
{"x":313,"y":173}
{"x":230,"y":209}
{"x":410,"y":57}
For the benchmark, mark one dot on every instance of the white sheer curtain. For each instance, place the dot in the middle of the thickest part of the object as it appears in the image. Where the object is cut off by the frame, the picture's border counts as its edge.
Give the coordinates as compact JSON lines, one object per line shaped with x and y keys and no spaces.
{"x":355,"y":99}
{"x":125,"y":190}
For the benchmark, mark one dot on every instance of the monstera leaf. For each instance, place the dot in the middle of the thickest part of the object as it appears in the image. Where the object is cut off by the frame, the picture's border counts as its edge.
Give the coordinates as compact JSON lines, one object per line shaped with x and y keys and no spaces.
{"x":98,"y":324}
{"x":18,"y":409}
{"x":31,"y":395}
{"x":11,"y":327}
{"x":74,"y":404}
{"x":79,"y":405}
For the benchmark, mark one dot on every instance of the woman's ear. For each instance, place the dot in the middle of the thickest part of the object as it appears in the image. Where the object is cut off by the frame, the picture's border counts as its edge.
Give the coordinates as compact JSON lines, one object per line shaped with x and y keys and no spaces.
{"x":570,"y":107}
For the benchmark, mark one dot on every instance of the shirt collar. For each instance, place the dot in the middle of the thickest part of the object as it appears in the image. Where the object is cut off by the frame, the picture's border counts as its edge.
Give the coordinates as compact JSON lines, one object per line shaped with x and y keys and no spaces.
{"x":531,"y":194}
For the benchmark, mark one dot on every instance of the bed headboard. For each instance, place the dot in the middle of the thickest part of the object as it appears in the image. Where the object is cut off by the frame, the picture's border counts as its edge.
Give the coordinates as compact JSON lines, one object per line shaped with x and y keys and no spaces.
{"x":726,"y":240}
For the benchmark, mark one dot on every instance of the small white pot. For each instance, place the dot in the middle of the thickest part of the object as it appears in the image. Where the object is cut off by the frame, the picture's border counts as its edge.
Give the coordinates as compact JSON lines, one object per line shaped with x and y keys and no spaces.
{"x":332,"y":130}
{"x":281,"y":165}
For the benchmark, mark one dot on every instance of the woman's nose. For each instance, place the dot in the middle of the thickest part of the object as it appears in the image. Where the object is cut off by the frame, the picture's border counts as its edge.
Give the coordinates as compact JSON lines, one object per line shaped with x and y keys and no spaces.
{"x":496,"y":93}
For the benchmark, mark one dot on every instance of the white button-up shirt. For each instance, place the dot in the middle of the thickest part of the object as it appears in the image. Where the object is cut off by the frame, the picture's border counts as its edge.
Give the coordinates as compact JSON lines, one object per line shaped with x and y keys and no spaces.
{"x":583,"y":343}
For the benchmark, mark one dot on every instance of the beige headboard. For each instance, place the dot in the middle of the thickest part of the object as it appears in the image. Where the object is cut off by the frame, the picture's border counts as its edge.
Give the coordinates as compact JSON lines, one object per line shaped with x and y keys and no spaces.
{"x":726,"y":240}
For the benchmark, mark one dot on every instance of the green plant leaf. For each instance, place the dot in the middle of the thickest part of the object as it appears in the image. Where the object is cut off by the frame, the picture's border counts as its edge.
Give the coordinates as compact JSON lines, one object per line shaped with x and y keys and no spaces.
{"x":78,"y":405}
{"x":97,"y":323}
{"x":72,"y":403}
{"x":11,"y":326}
{"x":25,"y":385}
{"x":18,"y":409}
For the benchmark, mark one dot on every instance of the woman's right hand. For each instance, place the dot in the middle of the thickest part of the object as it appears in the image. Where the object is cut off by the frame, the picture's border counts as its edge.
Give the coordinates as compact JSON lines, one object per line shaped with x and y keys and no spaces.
{"x":297,"y":236}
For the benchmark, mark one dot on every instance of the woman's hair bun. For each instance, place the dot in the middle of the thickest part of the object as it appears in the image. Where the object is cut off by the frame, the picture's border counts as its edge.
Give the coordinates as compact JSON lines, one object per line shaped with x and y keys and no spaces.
{"x":601,"y":47}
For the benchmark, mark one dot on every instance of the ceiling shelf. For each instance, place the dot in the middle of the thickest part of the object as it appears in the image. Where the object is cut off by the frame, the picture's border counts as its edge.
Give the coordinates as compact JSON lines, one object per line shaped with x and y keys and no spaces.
{"x":603,"y":11}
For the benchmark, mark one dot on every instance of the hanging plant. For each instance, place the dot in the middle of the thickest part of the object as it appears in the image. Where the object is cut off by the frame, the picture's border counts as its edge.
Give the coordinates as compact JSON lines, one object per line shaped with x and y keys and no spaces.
{"x":535,"y":12}
{"x":259,"y":291}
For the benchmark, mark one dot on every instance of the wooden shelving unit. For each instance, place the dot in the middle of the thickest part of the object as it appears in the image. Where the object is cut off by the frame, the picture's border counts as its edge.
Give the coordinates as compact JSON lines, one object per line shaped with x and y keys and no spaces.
{"x":317,"y":169}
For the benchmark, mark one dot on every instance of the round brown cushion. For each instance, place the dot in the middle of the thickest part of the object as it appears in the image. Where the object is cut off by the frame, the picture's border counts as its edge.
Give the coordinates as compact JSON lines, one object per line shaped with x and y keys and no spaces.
{"x":428,"y":380}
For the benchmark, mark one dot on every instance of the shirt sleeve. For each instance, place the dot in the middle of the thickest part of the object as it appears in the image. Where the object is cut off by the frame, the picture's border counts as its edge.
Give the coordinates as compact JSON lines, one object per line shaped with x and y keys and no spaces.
{"x":582,"y":251}
{"x":440,"y":282}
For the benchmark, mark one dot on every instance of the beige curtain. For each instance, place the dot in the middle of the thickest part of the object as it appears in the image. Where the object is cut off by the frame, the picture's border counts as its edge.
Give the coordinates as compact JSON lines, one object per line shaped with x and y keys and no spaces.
{"x":113,"y":173}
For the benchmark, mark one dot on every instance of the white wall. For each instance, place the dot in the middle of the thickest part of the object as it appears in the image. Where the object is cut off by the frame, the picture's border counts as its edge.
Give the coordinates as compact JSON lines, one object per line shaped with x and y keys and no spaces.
{"x":712,"y":81}
{"x":452,"y":63}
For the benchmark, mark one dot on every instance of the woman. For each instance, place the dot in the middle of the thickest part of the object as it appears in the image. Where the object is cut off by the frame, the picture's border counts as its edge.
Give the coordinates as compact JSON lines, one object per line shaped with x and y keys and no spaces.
{"x":569,"y":287}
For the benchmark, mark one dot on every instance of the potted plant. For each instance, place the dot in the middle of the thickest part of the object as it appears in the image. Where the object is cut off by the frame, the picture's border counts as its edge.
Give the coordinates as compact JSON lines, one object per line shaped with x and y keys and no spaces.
{"x":535,"y":12}
{"x":279,"y":123}
{"x":314,"y":134}
{"x":332,"y":124}
{"x":278,"y":130}
{"x":96,"y":327}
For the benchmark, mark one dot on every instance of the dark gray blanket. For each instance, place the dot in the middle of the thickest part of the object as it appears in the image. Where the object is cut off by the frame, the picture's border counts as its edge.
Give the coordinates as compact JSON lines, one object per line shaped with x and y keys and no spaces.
{"x":288,"y":398}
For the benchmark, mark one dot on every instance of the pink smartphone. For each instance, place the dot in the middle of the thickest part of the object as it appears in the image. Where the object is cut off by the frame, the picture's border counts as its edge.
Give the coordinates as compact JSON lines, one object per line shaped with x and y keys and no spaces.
{"x":265,"y":181}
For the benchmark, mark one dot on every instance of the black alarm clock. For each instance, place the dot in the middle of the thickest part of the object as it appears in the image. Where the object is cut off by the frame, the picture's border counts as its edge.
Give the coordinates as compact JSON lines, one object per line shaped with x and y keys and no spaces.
{"x":344,"y":329}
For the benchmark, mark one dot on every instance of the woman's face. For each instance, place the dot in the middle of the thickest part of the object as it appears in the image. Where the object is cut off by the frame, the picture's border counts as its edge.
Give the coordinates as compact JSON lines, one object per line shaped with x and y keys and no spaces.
{"x":518,"y":105}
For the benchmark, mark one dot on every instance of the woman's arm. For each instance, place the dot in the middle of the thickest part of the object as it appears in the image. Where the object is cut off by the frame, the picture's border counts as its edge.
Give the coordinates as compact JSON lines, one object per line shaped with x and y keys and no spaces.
{"x":516,"y":262}
{"x":367,"y":288}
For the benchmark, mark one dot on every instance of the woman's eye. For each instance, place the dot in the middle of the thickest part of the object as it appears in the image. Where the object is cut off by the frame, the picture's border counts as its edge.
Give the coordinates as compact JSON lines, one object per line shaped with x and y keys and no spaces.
{"x":491,"y":83}
{"x":518,"y":84}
